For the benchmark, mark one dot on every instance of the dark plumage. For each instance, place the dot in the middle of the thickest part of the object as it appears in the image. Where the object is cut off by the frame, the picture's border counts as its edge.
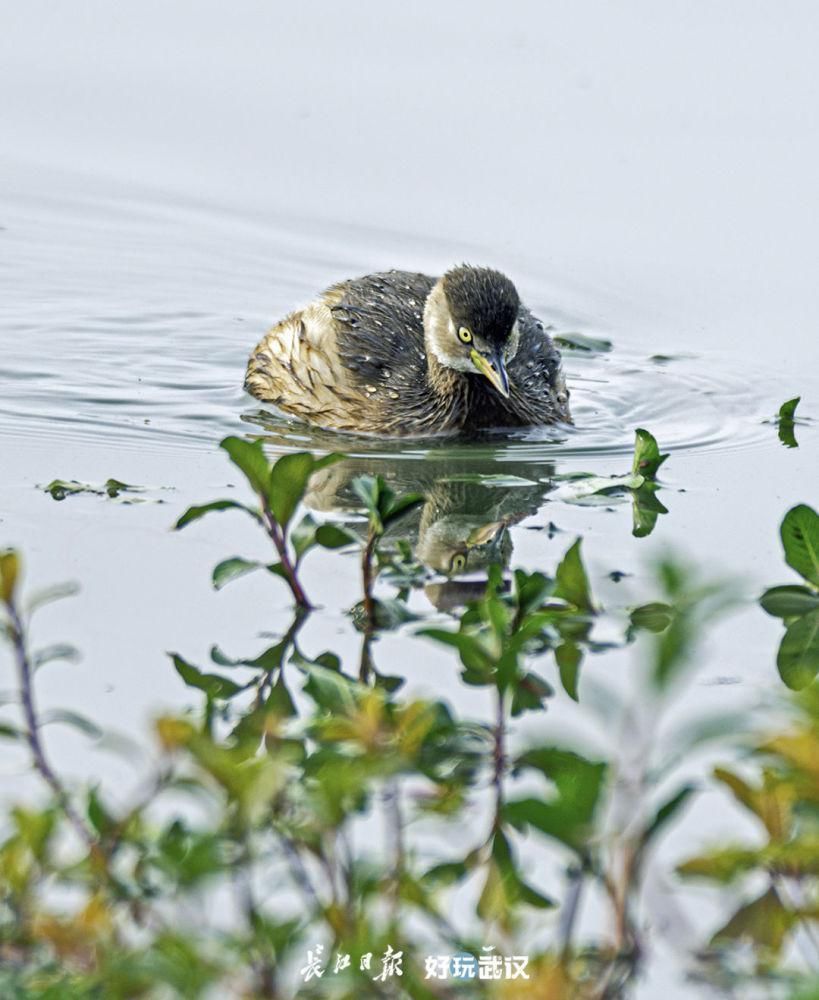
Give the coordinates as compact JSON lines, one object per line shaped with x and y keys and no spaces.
{"x":403,"y":353}
{"x":483,"y":299}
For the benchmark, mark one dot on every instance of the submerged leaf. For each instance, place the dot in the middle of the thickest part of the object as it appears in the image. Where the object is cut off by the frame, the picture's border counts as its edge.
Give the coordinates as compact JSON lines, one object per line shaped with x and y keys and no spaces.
{"x":582,"y":342}
{"x":579,"y":488}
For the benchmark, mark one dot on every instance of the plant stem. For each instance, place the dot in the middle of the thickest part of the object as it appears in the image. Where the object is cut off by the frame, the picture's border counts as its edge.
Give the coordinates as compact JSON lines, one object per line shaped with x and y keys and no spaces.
{"x":288,"y":568}
{"x":396,"y":824}
{"x":38,"y":755}
{"x":367,"y":578}
{"x":570,"y":910}
{"x":499,"y":760}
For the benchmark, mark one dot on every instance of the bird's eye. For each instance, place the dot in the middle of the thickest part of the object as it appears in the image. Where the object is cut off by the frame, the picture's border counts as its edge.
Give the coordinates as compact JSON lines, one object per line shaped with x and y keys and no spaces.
{"x":465,"y":335}
{"x":458,"y":563}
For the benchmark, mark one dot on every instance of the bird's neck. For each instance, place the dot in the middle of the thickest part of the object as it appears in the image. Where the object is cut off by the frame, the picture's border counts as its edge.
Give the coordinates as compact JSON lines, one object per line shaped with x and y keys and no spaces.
{"x":448,"y":386}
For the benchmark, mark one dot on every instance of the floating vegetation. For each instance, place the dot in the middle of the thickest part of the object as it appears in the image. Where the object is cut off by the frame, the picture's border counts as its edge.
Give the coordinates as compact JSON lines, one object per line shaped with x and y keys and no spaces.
{"x":640,"y":484}
{"x":582,"y":342}
{"x":786,"y":422}
{"x":59,"y":489}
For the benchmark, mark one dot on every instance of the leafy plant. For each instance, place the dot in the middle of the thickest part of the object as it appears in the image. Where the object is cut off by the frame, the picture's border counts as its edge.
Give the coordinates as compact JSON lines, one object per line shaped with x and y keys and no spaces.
{"x":279,"y":489}
{"x":798,"y":605}
{"x":383,"y":509}
{"x":783,"y":798}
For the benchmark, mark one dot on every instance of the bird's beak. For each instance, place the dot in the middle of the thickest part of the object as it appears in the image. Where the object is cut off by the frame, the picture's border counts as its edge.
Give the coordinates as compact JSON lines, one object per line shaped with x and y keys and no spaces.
{"x":492,"y":366}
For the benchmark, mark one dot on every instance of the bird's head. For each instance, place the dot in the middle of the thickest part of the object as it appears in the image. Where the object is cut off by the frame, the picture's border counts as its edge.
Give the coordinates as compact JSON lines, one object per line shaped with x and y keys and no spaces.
{"x":470,"y":320}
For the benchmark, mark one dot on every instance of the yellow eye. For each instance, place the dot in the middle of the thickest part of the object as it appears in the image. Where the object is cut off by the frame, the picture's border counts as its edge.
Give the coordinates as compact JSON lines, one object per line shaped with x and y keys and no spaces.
{"x":465,"y":335}
{"x":458,"y":564}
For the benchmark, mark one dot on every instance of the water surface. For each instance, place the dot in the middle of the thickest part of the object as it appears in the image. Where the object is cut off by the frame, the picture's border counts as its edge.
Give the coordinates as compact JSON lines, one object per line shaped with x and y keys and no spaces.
{"x":163,"y":204}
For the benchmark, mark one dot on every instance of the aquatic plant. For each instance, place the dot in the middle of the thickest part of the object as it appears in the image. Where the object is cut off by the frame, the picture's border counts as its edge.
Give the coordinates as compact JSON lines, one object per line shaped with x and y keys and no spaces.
{"x":268,"y":791}
{"x":779,"y":878}
{"x":798,"y":604}
{"x":786,"y":422}
{"x":279,"y":489}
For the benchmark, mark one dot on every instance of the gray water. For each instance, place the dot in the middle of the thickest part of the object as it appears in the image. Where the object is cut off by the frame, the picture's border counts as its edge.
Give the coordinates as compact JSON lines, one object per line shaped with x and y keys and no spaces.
{"x":173,"y":178}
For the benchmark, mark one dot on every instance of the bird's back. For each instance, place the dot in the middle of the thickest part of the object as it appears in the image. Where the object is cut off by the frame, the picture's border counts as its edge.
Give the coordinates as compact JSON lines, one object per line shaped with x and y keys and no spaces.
{"x":356,"y":360}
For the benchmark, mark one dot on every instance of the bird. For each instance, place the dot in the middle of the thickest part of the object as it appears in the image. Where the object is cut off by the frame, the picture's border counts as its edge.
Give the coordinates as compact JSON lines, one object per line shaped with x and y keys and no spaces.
{"x":398,"y":353}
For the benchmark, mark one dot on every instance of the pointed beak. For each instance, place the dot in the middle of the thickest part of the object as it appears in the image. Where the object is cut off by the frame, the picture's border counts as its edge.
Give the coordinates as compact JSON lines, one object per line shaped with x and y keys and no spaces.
{"x":492,"y":366}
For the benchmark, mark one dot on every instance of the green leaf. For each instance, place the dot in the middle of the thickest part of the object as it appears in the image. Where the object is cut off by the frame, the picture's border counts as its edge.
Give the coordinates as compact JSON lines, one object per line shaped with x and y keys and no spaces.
{"x":194,"y":513}
{"x":765,"y":922}
{"x":10,"y":732}
{"x":798,"y":656}
{"x":250,"y":459}
{"x":723,"y":865}
{"x":582,"y":342}
{"x":73,"y":719}
{"x":303,"y":536}
{"x":647,"y":457}
{"x":402,"y":505}
{"x":368,"y":490}
{"x":98,"y":815}
{"x":288,"y":481}
{"x":646,"y":507}
{"x":232,"y":569}
{"x":666,"y":812}
{"x":445,"y":875}
{"x":800,"y":538}
{"x":531,"y":589}
{"x":786,"y":423}
{"x":330,"y":536}
{"x":568,"y":816}
{"x":473,"y":656}
{"x":652,"y":617}
{"x":571,"y":581}
{"x":331,"y":690}
{"x":569,"y":656}
{"x":789,"y":601}
{"x":787,"y":410}
{"x":529,"y":694}
{"x":214,"y":686}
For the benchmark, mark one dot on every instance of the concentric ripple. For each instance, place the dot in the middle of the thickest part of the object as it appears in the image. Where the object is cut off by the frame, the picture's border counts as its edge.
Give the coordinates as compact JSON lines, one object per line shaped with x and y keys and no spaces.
{"x":132,"y":319}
